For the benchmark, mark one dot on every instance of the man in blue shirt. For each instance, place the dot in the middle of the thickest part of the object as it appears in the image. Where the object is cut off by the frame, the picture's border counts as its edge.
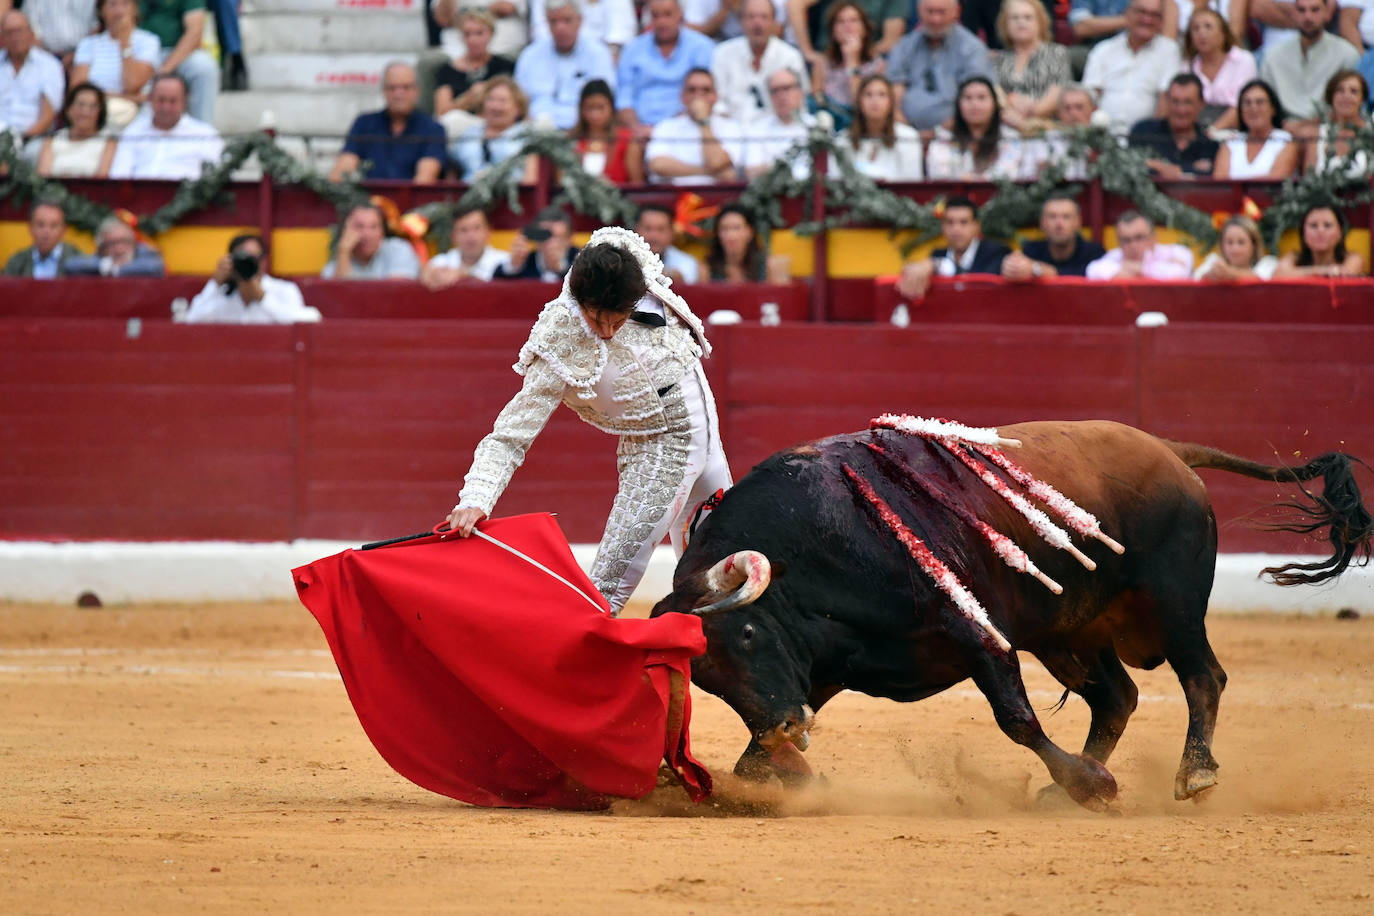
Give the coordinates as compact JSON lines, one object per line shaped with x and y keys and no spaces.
{"x":48,"y":256}
{"x":400,"y":142}
{"x":654,"y":64}
{"x":553,"y":70}
{"x":928,"y":65}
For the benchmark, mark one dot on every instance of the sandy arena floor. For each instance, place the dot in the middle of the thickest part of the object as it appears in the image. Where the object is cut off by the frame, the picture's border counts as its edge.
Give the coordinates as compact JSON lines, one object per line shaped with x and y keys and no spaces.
{"x":205,"y":759}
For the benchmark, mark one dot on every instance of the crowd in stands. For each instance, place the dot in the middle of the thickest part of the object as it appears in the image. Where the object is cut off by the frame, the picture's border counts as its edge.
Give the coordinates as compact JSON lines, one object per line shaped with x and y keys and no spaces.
{"x":695,"y":92}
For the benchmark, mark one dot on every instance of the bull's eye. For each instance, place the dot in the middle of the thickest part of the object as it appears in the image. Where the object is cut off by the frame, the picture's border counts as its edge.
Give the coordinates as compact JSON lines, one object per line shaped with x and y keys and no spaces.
{"x":747,"y":634}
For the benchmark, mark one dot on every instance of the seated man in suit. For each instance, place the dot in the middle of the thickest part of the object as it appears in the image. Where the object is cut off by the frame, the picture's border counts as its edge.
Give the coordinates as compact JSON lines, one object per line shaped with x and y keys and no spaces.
{"x":48,"y":256}
{"x":1063,"y":252}
{"x":542,"y":250}
{"x":968,"y":251}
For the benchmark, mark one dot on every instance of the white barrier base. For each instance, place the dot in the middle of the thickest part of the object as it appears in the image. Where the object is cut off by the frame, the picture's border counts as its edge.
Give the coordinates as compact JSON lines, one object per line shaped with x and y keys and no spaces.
{"x":123,"y":572}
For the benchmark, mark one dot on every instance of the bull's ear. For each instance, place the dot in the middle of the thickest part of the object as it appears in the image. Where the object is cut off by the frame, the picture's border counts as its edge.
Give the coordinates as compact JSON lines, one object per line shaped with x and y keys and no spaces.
{"x":779,"y":569}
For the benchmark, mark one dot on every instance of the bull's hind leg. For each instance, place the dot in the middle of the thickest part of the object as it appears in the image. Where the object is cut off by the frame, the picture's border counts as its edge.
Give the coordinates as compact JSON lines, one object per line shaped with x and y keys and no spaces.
{"x":998,"y":676}
{"x":1203,"y":680}
{"x":1111,"y":695}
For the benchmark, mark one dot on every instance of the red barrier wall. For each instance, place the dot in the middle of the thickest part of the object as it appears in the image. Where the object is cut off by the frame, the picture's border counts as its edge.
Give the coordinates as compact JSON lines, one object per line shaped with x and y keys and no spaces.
{"x":362,"y":429}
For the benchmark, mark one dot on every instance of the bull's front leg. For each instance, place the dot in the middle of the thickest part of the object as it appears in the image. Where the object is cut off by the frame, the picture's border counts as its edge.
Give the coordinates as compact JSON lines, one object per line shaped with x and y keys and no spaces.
{"x":998,"y":675}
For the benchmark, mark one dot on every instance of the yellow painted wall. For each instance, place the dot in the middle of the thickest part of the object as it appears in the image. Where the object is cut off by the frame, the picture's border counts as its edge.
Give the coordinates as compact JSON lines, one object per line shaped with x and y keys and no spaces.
{"x":298,"y":251}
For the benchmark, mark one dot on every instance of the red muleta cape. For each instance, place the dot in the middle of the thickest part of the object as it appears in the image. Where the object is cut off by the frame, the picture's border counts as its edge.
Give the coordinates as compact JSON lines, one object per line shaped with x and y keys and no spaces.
{"x":482,"y":678}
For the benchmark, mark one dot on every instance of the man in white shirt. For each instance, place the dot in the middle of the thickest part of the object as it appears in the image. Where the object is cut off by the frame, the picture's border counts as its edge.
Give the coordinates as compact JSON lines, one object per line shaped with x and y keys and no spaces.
{"x":610,"y":22}
{"x":1130,"y":69}
{"x":240,"y":292}
{"x":31,"y":79}
{"x":767,"y":141}
{"x":61,"y":24}
{"x":553,"y":70}
{"x":655,"y":226}
{"x":1299,"y":67}
{"x":164,"y":142}
{"x":1140,"y":254}
{"x":471,"y":258}
{"x":741,"y":66}
{"x":696,"y":146}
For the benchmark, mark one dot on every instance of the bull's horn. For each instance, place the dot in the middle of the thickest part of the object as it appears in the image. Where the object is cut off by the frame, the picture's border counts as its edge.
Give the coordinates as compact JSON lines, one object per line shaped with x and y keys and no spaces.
{"x":744,"y":575}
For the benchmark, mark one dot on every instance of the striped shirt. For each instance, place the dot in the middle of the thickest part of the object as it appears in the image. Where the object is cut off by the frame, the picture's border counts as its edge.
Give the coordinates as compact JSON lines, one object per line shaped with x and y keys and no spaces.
{"x":61,"y":24}
{"x":106,"y":60}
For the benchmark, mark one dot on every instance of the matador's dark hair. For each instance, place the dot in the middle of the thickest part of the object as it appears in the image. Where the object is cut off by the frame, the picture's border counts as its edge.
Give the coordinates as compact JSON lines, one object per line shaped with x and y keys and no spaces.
{"x":607,"y":277}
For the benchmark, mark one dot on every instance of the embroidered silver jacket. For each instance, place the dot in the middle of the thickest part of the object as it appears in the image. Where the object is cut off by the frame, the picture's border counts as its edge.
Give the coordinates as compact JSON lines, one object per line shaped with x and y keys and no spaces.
{"x":613,"y":385}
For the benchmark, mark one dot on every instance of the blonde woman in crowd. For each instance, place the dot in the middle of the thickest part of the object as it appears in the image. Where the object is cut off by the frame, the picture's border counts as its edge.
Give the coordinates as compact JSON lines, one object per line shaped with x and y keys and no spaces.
{"x":1239,"y":255}
{"x":882,"y":147}
{"x":1211,"y":53}
{"x":1033,"y":69}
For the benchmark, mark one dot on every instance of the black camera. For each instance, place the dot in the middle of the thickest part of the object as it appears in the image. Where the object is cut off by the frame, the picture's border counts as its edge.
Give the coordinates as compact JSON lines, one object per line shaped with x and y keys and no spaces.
{"x":244,"y":265}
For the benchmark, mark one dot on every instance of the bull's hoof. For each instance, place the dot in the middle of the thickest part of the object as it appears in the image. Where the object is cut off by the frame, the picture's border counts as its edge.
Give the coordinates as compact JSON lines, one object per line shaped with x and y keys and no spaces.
{"x":753,"y":768}
{"x":1192,"y":783}
{"x":1089,"y":783}
{"x":790,"y":766}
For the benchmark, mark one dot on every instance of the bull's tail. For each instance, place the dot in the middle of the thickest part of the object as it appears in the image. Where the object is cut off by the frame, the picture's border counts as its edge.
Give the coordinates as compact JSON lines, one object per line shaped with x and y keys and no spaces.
{"x":1339,"y":508}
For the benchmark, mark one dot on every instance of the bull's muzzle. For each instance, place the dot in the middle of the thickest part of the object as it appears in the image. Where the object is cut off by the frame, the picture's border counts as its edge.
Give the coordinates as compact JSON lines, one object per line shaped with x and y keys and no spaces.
{"x":796,"y":730}
{"x":735,"y":581}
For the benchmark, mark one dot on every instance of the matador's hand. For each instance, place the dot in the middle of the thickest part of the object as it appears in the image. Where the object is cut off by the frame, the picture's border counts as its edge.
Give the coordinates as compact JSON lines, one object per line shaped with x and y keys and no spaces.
{"x":462,"y":521}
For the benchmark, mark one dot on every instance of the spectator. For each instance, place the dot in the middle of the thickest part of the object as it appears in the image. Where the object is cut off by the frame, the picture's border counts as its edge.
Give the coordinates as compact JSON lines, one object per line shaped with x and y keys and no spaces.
{"x":1323,"y":252}
{"x":654,"y":64}
{"x":1234,"y":14}
{"x":1076,"y":107}
{"x":461,"y":81}
{"x":472,"y":256}
{"x":979,"y":147}
{"x":768,"y":141}
{"x":736,"y":256}
{"x":722,"y":19}
{"x":888,"y":18}
{"x":606,"y":149}
{"x":165,"y":142}
{"x":1176,"y":144}
{"x":1264,"y":149}
{"x":1141,"y":254}
{"x":120,"y":59}
{"x":365,"y":253}
{"x":553,"y":70}
{"x":241,"y":292}
{"x":510,"y":33}
{"x":1357,"y":27}
{"x":82,"y":149}
{"x":1095,"y":20}
{"x":932,"y":61}
{"x":47,"y":258}
{"x":1239,"y":255}
{"x":1129,"y":70}
{"x":848,"y":58}
{"x":400,"y":142}
{"x":31,"y":79}
{"x":967,"y":252}
{"x":500,"y":133}
{"x":1299,"y":68}
{"x":118,"y":253}
{"x":180,"y":27}
{"x":741,"y":66}
{"x":609,"y":23}
{"x":61,"y":24}
{"x":1063,"y":252}
{"x":1211,"y":53}
{"x":1276,"y":21}
{"x":696,"y":146}
{"x":1033,"y":70}
{"x":1346,"y":96}
{"x":882,"y":147}
{"x":655,"y":226}
{"x":1075,"y":110}
{"x":550,"y":261}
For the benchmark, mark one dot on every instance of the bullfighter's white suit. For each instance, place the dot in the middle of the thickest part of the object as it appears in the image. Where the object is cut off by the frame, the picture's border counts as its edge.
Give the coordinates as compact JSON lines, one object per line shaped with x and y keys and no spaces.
{"x":645,"y":385}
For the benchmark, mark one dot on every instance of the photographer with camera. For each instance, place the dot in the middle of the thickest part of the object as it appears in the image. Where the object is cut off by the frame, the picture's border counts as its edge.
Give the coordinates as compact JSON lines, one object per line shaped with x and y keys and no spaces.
{"x":240,"y":293}
{"x":542,"y":250}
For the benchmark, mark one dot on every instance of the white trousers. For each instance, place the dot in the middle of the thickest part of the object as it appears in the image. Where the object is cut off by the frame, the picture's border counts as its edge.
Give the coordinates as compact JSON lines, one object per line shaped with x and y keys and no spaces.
{"x":663,"y":478}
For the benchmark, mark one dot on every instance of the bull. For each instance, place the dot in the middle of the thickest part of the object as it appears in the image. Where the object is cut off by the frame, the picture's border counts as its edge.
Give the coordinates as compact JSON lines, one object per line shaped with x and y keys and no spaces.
{"x":804,"y":592}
